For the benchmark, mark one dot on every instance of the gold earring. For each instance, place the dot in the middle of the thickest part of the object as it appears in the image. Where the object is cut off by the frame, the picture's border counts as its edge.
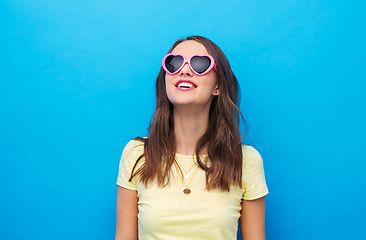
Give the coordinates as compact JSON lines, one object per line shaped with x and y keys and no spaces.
{"x":216,"y":91}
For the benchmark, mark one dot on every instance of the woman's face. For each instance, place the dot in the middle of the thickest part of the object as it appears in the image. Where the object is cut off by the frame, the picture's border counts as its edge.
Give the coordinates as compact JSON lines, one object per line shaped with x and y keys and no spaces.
{"x":203,"y":90}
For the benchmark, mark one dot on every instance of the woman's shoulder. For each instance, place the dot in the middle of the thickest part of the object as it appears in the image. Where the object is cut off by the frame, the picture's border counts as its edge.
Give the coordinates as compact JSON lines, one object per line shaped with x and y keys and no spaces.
{"x":254,"y":181}
{"x":135,"y":142}
{"x":249,"y":149}
{"x":134,"y":148}
{"x":251,"y":156}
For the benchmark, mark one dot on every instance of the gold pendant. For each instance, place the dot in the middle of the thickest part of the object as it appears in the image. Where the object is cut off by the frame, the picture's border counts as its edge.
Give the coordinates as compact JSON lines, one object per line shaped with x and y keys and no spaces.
{"x":187,"y":191}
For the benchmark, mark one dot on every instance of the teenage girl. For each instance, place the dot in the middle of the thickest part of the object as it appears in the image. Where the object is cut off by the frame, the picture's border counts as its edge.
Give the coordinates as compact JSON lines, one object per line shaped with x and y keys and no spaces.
{"x":191,"y":177}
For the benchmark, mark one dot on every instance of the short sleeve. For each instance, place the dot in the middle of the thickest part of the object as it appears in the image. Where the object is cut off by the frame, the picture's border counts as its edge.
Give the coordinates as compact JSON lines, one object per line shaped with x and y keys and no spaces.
{"x":254,"y":182}
{"x":130,"y":154}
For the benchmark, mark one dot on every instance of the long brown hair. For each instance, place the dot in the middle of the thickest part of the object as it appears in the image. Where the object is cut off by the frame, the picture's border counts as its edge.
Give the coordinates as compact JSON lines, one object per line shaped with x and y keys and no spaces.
{"x":221,"y":139}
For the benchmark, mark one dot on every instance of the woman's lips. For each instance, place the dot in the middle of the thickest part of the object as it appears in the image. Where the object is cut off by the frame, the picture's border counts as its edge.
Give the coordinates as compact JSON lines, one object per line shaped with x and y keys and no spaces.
{"x":185,"y":89}
{"x":185,"y":85}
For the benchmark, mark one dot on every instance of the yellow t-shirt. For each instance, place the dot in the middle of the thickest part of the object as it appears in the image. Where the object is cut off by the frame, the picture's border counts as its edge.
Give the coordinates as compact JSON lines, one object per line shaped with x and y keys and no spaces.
{"x":168,"y":213}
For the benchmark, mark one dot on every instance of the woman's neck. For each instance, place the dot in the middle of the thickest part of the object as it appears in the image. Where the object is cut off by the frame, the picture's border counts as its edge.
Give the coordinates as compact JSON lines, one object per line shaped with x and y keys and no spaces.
{"x":189,"y":125}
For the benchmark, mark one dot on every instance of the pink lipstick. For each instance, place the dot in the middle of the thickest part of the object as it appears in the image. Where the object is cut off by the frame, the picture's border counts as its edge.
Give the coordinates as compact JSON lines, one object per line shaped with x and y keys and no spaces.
{"x":185,"y":85}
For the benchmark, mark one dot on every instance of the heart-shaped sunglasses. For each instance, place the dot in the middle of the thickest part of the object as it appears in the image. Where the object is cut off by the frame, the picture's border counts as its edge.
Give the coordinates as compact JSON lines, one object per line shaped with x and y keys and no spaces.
{"x":199,"y":64}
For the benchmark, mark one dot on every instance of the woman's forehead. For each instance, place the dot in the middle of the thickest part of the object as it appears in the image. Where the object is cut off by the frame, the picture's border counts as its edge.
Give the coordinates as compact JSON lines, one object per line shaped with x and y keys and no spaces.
{"x":189,"y":48}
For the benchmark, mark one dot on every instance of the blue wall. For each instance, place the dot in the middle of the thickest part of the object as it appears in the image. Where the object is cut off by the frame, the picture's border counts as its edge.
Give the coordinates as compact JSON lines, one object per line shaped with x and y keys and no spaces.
{"x":77,"y":82}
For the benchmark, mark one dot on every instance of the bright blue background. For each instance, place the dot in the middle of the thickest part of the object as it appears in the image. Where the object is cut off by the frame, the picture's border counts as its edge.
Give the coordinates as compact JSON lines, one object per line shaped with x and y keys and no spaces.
{"x":77,"y":82}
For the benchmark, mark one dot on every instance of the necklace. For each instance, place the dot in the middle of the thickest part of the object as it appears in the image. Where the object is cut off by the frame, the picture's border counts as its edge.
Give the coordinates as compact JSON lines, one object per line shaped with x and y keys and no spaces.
{"x":186,"y":176}
{"x":185,"y":173}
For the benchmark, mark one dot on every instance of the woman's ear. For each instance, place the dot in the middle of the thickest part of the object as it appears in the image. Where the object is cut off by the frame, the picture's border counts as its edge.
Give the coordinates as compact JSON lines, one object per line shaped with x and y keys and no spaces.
{"x":216,"y":92}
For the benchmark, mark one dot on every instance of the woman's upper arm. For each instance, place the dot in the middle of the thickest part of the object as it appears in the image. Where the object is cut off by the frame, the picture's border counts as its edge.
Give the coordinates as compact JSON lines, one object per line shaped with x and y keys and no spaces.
{"x":252,"y":219}
{"x":126,"y":219}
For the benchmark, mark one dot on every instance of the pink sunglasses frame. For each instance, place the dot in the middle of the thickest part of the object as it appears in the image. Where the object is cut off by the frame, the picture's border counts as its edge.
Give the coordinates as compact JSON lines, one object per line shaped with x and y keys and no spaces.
{"x":185,"y":60}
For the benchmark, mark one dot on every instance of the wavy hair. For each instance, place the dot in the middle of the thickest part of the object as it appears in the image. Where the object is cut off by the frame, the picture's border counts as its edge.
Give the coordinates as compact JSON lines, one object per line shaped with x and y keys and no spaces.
{"x":222,"y":138}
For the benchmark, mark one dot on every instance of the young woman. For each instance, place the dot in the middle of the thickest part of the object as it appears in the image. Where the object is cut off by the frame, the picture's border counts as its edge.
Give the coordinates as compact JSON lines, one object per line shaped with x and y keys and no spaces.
{"x":191,"y":177}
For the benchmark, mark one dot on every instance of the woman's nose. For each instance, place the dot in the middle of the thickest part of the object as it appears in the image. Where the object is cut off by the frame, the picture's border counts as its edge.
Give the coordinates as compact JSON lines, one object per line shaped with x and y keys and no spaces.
{"x":186,"y":70}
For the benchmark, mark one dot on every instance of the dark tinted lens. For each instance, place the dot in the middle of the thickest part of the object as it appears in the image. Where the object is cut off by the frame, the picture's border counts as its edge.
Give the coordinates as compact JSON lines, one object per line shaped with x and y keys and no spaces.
{"x":200,"y":64}
{"x":173,"y":63}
